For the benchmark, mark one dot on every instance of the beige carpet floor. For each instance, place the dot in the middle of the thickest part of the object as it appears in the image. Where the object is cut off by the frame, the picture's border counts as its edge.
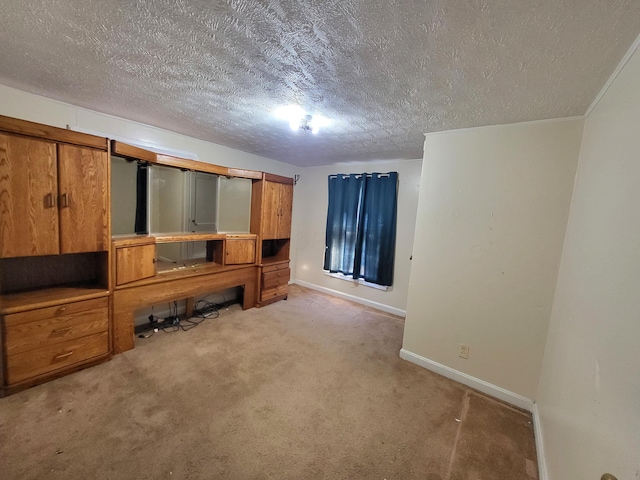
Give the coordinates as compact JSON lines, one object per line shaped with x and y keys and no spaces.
{"x":308,"y":388}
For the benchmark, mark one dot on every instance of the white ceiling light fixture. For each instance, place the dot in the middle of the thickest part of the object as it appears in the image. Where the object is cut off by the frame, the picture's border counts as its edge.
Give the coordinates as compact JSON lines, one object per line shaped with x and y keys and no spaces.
{"x":300,"y":120}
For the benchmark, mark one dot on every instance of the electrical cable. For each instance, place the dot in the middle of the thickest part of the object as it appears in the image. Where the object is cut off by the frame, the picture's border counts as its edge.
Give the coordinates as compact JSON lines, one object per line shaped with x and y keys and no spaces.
{"x":203,"y":309}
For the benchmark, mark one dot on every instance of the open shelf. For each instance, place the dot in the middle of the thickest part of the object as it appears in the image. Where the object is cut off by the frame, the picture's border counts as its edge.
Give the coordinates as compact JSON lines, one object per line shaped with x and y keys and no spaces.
{"x":275,"y":251}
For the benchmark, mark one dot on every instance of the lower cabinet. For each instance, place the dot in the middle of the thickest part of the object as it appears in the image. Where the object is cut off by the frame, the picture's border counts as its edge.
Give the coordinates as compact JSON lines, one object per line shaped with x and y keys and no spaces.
{"x":40,"y":343}
{"x":274,"y":282}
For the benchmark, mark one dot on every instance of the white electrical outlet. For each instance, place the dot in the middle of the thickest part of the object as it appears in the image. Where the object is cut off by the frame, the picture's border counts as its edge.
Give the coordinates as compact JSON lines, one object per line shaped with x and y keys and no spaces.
{"x":463,"y":351}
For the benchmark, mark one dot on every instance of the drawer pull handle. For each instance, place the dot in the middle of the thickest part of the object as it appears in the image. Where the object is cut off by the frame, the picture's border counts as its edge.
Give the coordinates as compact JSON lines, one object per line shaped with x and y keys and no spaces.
{"x":62,"y":356}
{"x":60,"y":331}
{"x":61,"y":309}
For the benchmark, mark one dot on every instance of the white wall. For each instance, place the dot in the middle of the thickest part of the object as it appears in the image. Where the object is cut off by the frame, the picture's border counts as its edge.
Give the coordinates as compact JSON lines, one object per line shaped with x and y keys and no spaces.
{"x":311,"y":217}
{"x":589,"y":396}
{"x":491,"y":220}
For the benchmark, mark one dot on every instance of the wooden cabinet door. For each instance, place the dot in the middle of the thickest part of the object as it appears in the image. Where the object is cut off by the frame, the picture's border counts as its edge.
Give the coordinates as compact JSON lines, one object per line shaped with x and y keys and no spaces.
{"x":286,"y":207}
{"x":239,"y":251}
{"x":28,"y":193}
{"x":135,"y":263}
{"x":270,"y":209}
{"x":83,"y":199}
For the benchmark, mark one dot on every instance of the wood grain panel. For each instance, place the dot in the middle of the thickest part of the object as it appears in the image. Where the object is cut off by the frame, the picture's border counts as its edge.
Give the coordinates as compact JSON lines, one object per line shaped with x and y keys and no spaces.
{"x":28,"y":190}
{"x":48,"y":326}
{"x":270,"y":210}
{"x":273,"y":293}
{"x":276,"y":266}
{"x":84,"y":199}
{"x":286,"y":209}
{"x":270,"y":177}
{"x":131,"y":151}
{"x":177,"y":286}
{"x":135,"y":263}
{"x":47,"y":132}
{"x":28,"y":301}
{"x":240,"y":251}
{"x":279,"y":277}
{"x":23,"y":366}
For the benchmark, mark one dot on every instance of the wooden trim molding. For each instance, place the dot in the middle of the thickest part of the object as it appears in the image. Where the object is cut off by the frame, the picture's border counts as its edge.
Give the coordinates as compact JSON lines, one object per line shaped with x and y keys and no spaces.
{"x":137,"y":153}
{"x":55,"y":134}
{"x":270,"y":177}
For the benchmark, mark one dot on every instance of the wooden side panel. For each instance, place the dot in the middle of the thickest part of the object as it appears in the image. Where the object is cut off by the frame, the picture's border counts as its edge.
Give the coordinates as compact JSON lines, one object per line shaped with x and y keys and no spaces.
{"x":84,"y":199}
{"x":240,"y":251}
{"x":256,"y":206}
{"x":270,"y":210}
{"x":135,"y":263}
{"x":286,"y":209}
{"x":28,"y":186}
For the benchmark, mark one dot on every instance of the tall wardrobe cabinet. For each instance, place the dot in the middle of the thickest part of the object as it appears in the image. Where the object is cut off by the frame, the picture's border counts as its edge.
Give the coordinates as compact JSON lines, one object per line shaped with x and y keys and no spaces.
{"x":272,"y":198}
{"x":54,"y":252}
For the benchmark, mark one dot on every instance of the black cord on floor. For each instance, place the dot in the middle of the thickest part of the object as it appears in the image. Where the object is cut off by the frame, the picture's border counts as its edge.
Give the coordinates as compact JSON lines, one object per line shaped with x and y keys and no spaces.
{"x":203,"y":310}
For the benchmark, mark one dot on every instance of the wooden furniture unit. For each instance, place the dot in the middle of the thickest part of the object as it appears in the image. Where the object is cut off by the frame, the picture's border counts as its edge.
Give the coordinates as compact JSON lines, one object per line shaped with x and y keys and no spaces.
{"x":277,"y":204}
{"x":54,"y":198}
{"x":230,"y":262}
{"x":68,"y":292}
{"x":272,"y":202}
{"x":274,"y":281}
{"x":54,"y":252}
{"x":47,"y":339}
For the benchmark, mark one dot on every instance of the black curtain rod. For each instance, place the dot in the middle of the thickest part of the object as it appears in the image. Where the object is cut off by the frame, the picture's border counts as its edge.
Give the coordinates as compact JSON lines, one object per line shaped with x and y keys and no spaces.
{"x":358,"y":175}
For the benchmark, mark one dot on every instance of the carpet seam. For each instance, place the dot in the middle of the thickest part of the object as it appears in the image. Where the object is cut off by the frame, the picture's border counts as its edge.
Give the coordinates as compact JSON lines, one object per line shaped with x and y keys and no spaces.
{"x":463,"y":416}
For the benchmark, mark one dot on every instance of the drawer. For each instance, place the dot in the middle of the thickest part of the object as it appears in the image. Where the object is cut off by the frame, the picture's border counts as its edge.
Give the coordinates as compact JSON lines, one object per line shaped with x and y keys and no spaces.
{"x":274,"y":282}
{"x":26,"y":331}
{"x":277,"y":275}
{"x":273,"y":293}
{"x":25,"y":365}
{"x":277,"y":266}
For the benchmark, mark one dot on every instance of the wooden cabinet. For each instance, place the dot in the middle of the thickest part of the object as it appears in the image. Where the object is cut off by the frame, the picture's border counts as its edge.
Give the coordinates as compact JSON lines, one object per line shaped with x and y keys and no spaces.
{"x":274,"y":281}
{"x":276,"y":210}
{"x":53,"y":198}
{"x":239,"y":251}
{"x":84,"y":200}
{"x":42,"y":343}
{"x":28,"y":196}
{"x":135,"y":262}
{"x":272,"y":202}
{"x":54,"y":252}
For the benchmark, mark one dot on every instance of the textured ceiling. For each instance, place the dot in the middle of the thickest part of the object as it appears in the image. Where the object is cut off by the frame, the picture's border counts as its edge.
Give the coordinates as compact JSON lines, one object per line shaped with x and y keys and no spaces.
{"x":384,"y":72}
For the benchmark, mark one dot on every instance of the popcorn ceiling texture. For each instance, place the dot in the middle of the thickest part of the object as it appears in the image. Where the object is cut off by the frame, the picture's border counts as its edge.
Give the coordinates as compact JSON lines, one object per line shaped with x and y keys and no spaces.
{"x":384,"y":72}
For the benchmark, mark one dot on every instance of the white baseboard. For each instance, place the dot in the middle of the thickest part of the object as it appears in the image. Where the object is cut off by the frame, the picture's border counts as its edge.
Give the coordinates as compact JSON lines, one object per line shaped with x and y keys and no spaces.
{"x":493,"y":390}
{"x":473,"y":382}
{"x":537,"y":428}
{"x":353,"y":298}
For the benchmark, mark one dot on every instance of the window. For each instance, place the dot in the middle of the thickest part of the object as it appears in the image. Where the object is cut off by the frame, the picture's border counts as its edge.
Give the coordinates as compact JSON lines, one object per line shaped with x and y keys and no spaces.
{"x":361,"y":226}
